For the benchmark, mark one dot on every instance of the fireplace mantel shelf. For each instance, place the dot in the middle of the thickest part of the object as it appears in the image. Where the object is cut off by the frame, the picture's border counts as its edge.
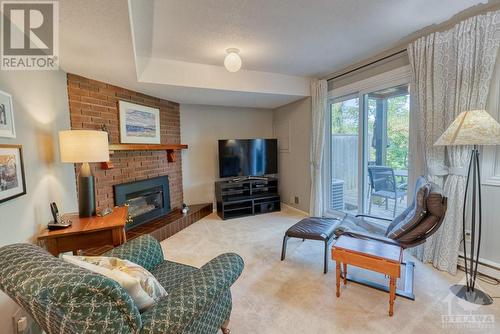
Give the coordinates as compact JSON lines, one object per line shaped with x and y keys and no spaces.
{"x":170,"y":148}
{"x":146,"y":147}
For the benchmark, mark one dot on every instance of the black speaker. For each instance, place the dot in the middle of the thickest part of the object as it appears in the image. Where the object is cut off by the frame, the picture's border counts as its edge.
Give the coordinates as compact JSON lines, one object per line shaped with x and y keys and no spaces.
{"x":269,"y":207}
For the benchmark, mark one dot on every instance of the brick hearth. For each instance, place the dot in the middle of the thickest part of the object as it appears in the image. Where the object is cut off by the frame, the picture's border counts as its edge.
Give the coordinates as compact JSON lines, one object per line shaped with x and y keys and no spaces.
{"x":161,"y":228}
{"x":94,"y":103}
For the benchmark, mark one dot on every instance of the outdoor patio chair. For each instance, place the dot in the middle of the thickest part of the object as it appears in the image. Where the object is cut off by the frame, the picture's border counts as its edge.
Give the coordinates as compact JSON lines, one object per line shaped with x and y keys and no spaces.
{"x":383,"y":185}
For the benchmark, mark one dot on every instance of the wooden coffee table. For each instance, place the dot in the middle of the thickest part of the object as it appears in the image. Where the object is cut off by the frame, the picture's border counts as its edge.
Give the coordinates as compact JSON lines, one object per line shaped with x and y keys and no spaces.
{"x":85,"y":233}
{"x":369,"y":254}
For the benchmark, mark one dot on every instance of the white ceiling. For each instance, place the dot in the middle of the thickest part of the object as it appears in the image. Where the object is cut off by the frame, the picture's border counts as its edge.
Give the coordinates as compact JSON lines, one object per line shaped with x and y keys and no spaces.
{"x":297,"y":37}
{"x":174,"y":49}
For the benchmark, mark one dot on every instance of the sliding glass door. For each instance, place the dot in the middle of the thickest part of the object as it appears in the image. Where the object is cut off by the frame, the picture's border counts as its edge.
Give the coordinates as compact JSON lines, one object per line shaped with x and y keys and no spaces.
{"x":387,"y":142}
{"x":344,"y":142}
{"x":367,"y":156}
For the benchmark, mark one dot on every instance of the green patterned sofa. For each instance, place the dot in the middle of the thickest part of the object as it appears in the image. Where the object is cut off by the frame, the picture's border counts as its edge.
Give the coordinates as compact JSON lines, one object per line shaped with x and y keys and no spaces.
{"x":64,"y":298}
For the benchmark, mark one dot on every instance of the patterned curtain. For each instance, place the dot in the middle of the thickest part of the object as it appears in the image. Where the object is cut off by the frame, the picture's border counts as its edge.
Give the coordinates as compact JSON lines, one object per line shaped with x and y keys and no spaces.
{"x":318,"y":110}
{"x":452,"y":71}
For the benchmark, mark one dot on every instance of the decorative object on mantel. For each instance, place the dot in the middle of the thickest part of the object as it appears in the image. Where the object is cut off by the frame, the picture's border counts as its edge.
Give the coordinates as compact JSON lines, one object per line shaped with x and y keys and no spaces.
{"x":185,"y":208}
{"x":7,"y":128}
{"x":84,"y":146}
{"x":139,"y":124}
{"x":474,"y":128}
{"x":12,"y":180}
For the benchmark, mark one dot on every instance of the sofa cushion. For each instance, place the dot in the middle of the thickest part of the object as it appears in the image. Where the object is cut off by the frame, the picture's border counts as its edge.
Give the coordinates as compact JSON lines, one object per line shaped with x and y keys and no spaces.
{"x":314,"y":228}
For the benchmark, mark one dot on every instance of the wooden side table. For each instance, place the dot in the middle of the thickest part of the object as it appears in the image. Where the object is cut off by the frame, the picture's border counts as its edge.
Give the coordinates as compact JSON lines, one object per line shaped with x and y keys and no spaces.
{"x":372,"y":255}
{"x":87,"y":233}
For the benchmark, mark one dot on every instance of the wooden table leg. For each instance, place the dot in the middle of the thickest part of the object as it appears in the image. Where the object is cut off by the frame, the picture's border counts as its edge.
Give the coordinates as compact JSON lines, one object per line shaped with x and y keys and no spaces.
{"x":345,"y":273}
{"x":338,"y":278}
{"x":392,"y":295}
{"x":52,"y":248}
{"x":118,"y":237}
{"x":124,"y":236}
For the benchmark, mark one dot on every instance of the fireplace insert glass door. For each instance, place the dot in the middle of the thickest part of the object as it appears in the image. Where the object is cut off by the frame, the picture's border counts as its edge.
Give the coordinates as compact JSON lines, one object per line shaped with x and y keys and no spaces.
{"x":146,"y":199}
{"x":144,"y":202}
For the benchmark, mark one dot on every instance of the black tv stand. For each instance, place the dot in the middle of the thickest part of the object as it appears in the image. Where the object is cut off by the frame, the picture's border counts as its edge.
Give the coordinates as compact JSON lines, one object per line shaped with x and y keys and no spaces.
{"x":244,"y":178}
{"x":247,"y":196}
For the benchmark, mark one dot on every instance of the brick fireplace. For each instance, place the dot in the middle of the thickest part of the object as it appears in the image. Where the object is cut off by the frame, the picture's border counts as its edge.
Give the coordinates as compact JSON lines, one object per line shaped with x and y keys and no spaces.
{"x":94,"y":103}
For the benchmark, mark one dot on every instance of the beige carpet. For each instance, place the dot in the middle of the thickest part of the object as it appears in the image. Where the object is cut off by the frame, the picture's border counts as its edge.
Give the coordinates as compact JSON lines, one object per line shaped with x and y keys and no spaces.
{"x":294,"y":296}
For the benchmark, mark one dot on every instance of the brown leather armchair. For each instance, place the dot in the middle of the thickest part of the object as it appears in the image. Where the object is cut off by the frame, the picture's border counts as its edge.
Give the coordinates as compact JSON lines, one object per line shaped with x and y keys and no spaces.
{"x":411,"y":228}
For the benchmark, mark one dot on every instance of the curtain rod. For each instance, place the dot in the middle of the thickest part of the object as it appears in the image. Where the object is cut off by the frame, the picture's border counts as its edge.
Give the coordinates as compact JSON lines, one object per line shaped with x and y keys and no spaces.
{"x":369,"y":64}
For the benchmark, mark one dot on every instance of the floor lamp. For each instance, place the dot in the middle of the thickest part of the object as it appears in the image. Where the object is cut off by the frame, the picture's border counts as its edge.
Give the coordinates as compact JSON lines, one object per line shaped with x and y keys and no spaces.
{"x":84,"y":146}
{"x":472,"y":128}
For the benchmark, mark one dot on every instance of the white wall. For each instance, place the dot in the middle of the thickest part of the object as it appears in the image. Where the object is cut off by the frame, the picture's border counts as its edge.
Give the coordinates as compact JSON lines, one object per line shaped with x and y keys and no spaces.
{"x":294,"y":173}
{"x":201,"y":127}
{"x":40,"y":103}
{"x":490,"y":177}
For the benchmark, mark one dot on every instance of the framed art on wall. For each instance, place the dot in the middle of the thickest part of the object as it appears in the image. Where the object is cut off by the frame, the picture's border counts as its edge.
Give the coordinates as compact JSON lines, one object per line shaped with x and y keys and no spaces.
{"x":139,"y":124}
{"x":7,"y":128}
{"x":12,"y":180}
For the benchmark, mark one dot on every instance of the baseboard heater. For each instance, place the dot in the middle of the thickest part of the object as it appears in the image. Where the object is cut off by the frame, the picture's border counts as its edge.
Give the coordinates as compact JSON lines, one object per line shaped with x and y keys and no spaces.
{"x":491,"y":270}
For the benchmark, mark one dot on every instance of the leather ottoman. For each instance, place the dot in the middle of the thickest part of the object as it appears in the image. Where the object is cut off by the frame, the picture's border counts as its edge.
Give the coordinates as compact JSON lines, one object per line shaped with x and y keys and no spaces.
{"x":313,"y":228}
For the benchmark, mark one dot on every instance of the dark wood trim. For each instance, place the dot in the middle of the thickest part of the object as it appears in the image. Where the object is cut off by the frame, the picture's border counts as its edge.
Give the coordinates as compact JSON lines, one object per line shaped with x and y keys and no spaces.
{"x":170,"y":148}
{"x":23,"y":177}
{"x":367,"y":65}
{"x":146,"y":147}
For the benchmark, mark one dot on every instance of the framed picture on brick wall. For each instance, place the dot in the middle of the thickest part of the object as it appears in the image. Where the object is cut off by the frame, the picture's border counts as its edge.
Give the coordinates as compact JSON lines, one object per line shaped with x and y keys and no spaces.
{"x":139,"y":124}
{"x":7,"y":128}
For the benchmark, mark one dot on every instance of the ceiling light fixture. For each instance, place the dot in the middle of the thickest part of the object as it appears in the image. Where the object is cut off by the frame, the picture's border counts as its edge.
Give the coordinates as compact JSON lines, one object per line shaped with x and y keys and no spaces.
{"x":232,"y":62}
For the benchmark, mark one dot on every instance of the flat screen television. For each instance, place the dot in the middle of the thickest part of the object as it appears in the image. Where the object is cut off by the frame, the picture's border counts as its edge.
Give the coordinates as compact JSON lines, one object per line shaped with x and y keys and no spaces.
{"x":248,"y":157}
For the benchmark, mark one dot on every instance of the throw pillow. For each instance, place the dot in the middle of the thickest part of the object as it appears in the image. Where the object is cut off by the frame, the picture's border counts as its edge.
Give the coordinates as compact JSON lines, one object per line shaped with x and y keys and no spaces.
{"x":142,"y":286}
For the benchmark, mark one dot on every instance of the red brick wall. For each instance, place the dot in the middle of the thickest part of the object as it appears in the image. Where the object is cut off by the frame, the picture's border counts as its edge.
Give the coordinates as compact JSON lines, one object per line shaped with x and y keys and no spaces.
{"x":93,"y":103}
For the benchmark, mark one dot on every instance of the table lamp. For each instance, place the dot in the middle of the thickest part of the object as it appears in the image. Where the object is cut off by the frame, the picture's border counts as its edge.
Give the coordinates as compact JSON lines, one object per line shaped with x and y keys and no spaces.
{"x":474,"y":128}
{"x":84,"y":146}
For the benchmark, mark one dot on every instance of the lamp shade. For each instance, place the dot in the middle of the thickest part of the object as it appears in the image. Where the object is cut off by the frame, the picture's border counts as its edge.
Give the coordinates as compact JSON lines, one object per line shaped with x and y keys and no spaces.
{"x":83,"y":146}
{"x":475,"y":127}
